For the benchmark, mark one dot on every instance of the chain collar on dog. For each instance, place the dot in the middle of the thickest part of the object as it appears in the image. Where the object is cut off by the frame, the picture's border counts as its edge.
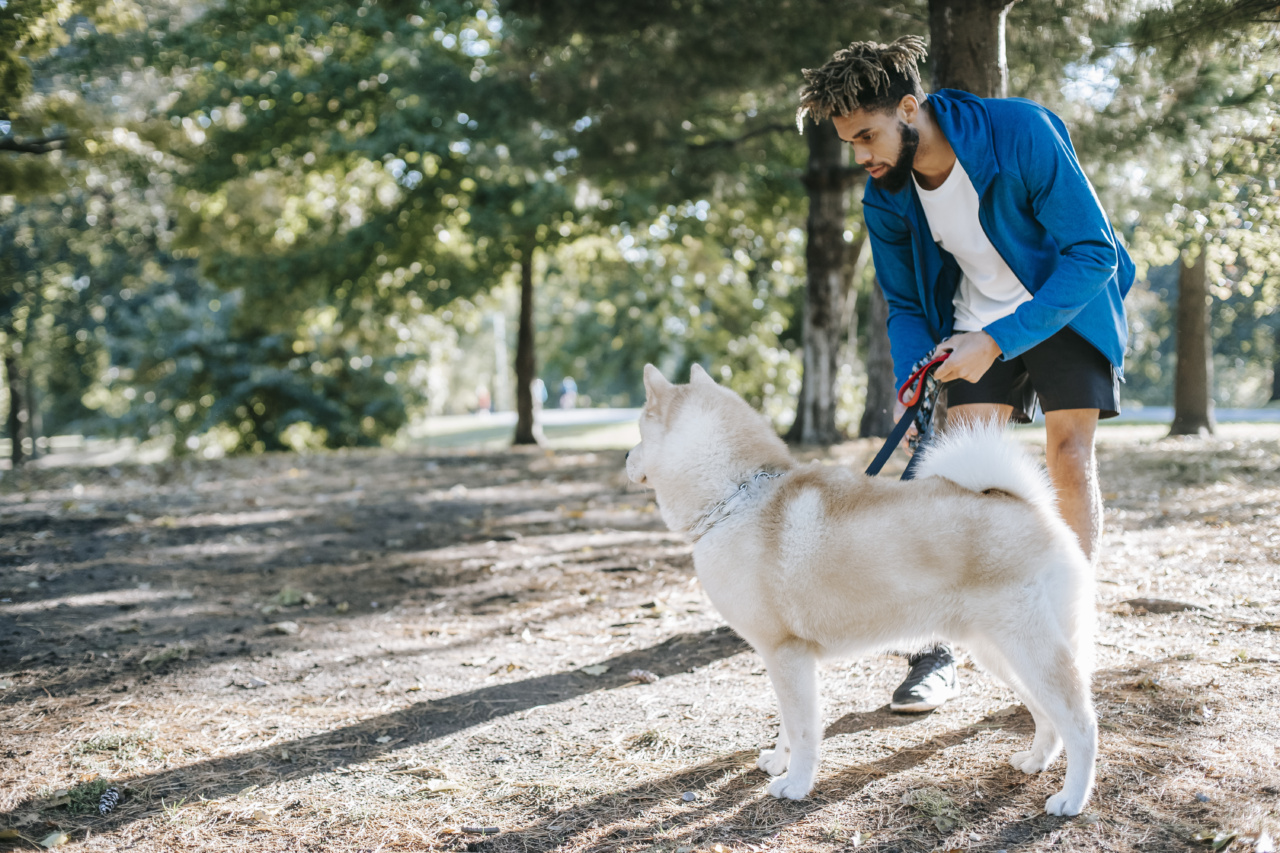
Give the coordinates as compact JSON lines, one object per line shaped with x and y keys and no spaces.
{"x":724,"y":509}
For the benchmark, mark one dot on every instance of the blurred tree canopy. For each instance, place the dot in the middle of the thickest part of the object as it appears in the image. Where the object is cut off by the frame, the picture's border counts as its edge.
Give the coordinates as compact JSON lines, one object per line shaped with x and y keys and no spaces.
{"x":267,"y":224}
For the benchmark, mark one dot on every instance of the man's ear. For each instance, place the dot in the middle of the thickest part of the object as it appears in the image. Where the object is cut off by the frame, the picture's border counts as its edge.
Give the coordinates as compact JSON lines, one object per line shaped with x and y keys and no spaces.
{"x":908,"y":108}
{"x":654,"y":383}
{"x":698,"y":375}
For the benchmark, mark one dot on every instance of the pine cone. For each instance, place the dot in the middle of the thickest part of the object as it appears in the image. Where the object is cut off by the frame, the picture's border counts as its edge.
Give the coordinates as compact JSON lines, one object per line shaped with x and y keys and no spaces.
{"x":107,"y":803}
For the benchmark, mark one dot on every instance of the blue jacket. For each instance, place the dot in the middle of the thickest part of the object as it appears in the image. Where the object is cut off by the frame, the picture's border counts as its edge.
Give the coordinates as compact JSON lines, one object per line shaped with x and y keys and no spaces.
{"x":1039,"y":211}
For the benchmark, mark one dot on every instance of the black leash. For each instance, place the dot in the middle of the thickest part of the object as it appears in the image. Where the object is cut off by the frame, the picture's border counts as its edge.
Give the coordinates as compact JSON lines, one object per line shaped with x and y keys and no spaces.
{"x":922,"y":388}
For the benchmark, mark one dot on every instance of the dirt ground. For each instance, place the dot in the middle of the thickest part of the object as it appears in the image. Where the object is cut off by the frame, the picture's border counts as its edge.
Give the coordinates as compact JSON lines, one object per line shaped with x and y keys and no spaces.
{"x":375,"y":651}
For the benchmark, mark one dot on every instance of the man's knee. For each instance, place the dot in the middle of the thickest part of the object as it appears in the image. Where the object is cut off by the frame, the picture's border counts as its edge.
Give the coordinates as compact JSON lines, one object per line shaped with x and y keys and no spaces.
{"x":1071,"y":457}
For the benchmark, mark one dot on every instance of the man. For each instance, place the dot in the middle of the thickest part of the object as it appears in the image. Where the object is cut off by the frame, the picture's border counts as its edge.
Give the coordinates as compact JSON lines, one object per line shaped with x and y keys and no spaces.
{"x":989,"y":243}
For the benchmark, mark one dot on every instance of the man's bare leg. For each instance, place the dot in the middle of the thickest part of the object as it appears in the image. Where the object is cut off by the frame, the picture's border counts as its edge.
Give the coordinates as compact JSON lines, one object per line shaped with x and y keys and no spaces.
{"x":1073,"y":468}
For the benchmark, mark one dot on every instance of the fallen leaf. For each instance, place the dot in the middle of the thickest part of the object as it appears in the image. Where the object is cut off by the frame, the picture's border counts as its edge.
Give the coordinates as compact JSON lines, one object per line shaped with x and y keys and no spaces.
{"x":6,"y":834}
{"x":596,"y":669}
{"x":286,"y":628}
{"x":54,"y":839}
{"x":385,"y":739}
{"x":1216,"y":838}
{"x":442,"y":785}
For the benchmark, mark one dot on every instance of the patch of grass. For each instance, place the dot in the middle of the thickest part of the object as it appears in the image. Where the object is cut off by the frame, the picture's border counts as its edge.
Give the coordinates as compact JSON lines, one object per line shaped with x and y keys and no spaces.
{"x":169,"y":653}
{"x":84,"y":798}
{"x":124,"y":744}
{"x":936,"y":805}
{"x":650,"y":739}
{"x":654,"y":745}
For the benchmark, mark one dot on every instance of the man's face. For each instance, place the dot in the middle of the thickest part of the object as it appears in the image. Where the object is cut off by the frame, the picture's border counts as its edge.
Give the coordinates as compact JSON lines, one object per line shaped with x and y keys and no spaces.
{"x":882,"y":143}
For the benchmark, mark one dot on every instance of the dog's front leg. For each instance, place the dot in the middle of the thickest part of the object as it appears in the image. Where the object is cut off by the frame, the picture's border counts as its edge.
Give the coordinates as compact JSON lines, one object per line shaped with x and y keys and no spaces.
{"x":793,"y":669}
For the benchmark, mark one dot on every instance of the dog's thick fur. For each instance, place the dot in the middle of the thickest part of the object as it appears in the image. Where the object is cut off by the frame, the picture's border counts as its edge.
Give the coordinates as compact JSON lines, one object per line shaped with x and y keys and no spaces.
{"x":824,"y":561}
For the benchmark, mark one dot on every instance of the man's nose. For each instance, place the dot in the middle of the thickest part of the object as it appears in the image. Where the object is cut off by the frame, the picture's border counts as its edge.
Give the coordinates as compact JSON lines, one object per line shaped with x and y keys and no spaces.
{"x":861,"y":155}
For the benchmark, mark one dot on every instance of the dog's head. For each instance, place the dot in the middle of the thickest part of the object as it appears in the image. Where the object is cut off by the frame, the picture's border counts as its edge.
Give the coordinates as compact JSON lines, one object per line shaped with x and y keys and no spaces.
{"x":699,"y":431}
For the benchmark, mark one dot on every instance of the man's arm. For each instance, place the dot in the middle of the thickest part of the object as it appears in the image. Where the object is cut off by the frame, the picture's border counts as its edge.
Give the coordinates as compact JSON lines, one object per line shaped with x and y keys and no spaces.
{"x":892,"y":254}
{"x":1064,"y":203}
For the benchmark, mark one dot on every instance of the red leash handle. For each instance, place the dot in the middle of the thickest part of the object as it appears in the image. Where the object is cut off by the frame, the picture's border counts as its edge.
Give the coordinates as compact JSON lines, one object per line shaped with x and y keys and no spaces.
{"x":917,"y":379}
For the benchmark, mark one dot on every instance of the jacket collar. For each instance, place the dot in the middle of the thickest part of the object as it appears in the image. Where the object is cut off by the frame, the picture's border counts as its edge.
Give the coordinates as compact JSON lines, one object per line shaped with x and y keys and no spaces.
{"x":963,"y":119}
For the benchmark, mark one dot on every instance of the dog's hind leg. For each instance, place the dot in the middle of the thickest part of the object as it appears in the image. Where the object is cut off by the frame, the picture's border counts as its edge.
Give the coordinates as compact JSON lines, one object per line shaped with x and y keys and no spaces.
{"x":1046,"y":744}
{"x":1049,"y":671}
{"x":793,"y":669}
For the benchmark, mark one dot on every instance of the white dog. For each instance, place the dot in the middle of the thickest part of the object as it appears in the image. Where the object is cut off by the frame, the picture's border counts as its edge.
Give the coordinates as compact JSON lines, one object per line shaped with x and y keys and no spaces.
{"x":806,"y":561}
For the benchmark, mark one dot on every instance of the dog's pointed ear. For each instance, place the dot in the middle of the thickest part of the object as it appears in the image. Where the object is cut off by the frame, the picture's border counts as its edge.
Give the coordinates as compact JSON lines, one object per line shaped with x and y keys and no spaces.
{"x":654,"y":383}
{"x":698,"y":375}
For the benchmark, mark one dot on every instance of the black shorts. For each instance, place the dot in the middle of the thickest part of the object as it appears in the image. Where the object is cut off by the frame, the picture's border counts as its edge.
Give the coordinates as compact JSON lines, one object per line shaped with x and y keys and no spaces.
{"x":1064,"y":372}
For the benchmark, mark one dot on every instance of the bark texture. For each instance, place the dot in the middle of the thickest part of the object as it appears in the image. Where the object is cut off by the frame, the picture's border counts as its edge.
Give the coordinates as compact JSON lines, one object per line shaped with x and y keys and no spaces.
{"x":1193,"y":375}
{"x":527,"y":430}
{"x":877,"y":417}
{"x":828,"y":180}
{"x":966,"y":46}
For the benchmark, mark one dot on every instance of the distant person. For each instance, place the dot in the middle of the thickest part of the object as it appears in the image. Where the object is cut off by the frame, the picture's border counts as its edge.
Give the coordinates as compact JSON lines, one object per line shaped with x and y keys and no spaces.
{"x":989,"y":243}
{"x":568,"y":393}
{"x":484,"y":402}
{"x":539,"y":389}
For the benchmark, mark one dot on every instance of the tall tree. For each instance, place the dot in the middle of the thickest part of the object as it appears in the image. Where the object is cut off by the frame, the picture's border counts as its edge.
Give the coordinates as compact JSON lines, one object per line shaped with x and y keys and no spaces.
{"x":425,"y":121}
{"x":689,"y":101}
{"x":828,"y":179}
{"x":1193,"y":382}
{"x":1204,"y":77}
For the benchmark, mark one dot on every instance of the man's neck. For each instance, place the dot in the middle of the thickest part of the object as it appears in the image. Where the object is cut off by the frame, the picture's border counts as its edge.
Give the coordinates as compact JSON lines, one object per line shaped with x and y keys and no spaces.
{"x":934,"y":158}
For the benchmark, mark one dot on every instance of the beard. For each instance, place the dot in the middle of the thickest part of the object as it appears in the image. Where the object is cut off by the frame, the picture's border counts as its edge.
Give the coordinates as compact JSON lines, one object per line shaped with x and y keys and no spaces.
{"x":900,"y":172}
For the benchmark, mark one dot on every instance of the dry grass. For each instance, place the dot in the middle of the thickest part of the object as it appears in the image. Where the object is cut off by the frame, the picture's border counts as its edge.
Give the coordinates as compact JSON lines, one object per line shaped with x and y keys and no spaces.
{"x":453,"y":613}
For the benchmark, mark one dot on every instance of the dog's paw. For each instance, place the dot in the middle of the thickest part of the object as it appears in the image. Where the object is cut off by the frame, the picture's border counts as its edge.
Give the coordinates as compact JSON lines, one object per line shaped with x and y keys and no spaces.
{"x":1029,"y":762}
{"x":1064,"y":804}
{"x":786,"y":788}
{"x":774,"y":761}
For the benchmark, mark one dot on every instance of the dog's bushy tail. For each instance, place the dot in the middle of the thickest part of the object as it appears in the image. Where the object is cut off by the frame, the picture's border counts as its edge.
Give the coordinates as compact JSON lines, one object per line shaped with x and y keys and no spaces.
{"x":982,"y":457}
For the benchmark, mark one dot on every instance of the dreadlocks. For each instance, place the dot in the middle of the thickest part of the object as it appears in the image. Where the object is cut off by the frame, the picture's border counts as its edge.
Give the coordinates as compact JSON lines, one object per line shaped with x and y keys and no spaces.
{"x":864,"y":75}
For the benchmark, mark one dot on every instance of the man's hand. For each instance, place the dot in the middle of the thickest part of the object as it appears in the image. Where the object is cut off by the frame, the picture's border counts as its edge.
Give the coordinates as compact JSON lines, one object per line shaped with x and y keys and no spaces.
{"x":972,"y":353}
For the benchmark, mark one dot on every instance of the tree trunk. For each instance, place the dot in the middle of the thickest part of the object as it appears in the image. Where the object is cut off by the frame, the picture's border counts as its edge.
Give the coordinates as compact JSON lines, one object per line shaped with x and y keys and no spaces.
{"x":828,"y":180}
{"x":966,"y":46}
{"x":35,"y":423}
{"x":527,"y":431}
{"x":877,"y":417}
{"x":1193,"y":374}
{"x":859,"y":256}
{"x":1275,"y":369}
{"x":17,"y":408}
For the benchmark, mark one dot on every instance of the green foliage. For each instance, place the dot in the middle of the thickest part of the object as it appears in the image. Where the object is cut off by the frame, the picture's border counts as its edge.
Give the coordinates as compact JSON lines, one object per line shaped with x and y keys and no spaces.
{"x":275,"y":223}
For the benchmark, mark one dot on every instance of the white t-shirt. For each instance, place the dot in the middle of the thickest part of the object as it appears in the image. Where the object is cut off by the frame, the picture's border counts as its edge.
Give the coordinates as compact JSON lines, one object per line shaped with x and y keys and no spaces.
{"x":988,"y":288}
